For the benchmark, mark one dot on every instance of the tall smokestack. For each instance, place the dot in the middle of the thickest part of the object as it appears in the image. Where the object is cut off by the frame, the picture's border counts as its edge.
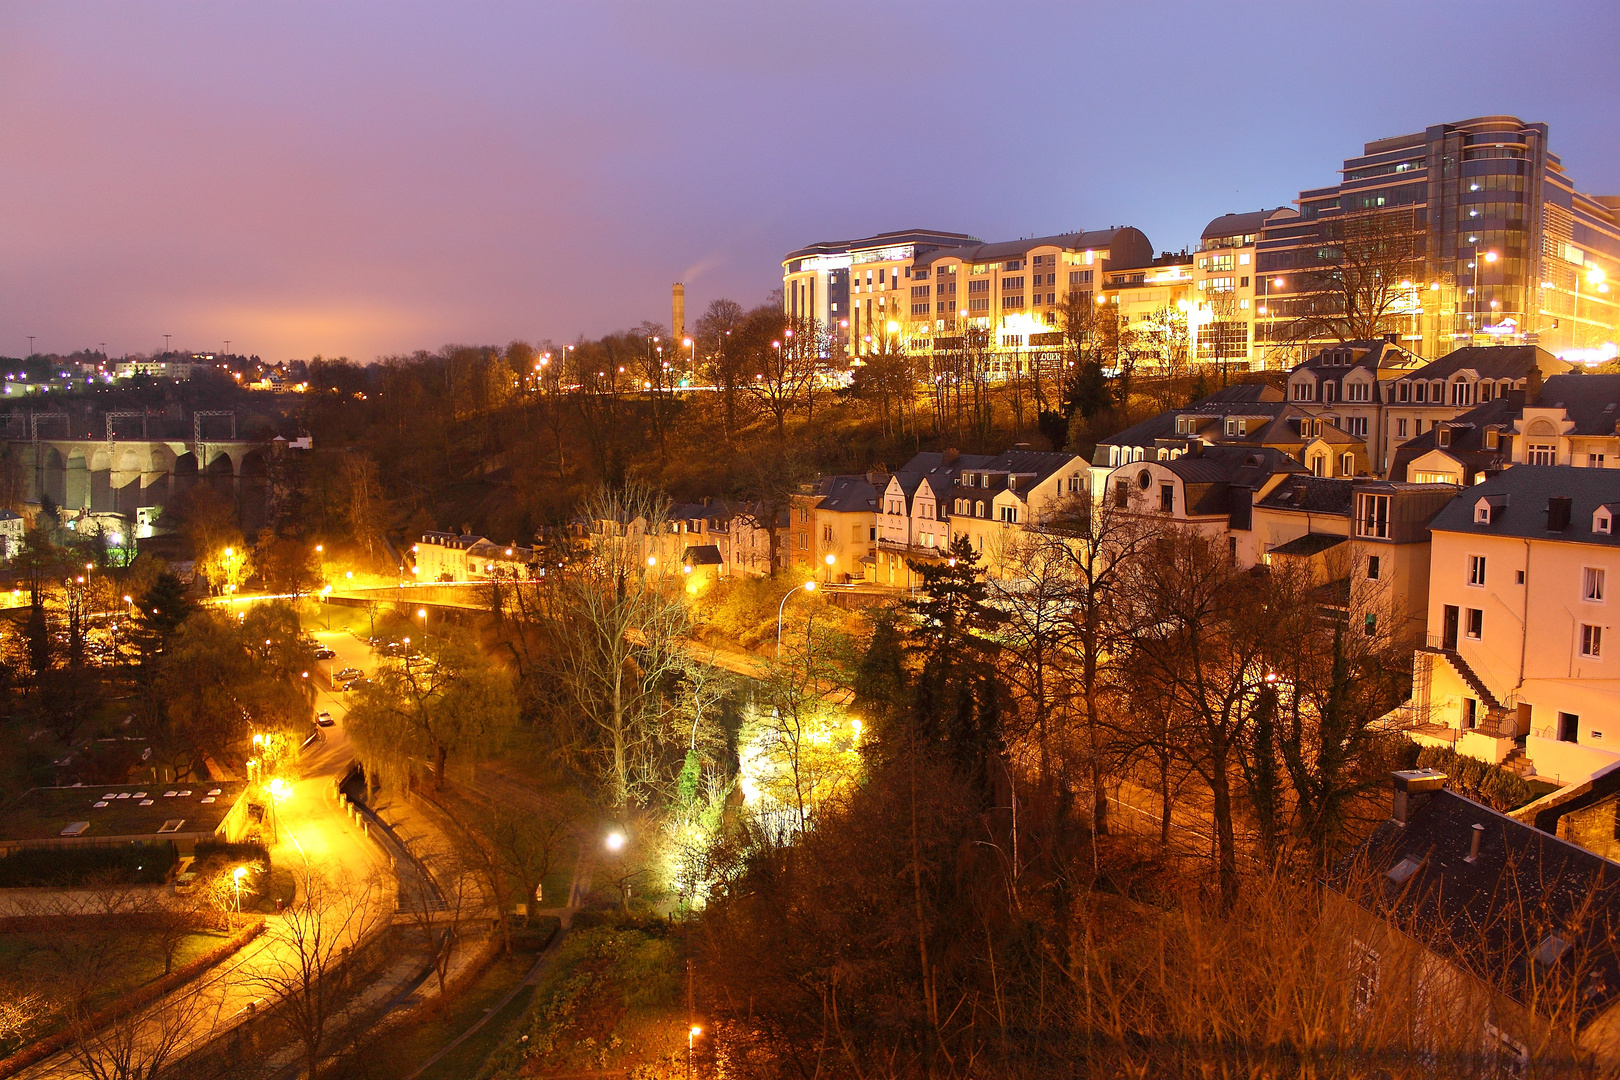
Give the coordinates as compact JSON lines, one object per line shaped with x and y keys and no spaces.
{"x":678,"y":312}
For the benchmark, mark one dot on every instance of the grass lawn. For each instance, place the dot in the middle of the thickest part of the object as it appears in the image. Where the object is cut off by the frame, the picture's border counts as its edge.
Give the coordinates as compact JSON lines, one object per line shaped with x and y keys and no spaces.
{"x":435,"y":1031}
{"x":44,"y":957}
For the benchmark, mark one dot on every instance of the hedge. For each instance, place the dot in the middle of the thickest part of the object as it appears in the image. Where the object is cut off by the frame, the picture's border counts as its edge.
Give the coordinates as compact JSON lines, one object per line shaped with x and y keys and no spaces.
{"x":134,"y":863}
{"x":1499,"y":788}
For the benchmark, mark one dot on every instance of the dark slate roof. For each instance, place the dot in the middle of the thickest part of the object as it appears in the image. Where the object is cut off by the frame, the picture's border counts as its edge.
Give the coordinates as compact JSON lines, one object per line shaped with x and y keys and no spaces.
{"x":1011,"y":249}
{"x":1241,"y":392}
{"x":1372,"y":354}
{"x":1315,"y":494}
{"x":1309,"y":544}
{"x":1493,"y":362}
{"x":1527,"y":489}
{"x":701,"y":555}
{"x":1591,"y":401}
{"x":1240,"y":224}
{"x":889,"y":239}
{"x":932,"y":466}
{"x":1493,"y":915}
{"x":847,"y":493}
{"x":1467,"y":437}
{"x":1210,"y":472}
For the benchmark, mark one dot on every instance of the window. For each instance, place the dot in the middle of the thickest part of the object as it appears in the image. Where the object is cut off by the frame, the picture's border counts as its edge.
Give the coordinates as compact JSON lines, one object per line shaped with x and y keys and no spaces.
{"x":1122,"y":494}
{"x":1347,"y":465}
{"x":1167,"y":497}
{"x":1374,"y":565}
{"x":1356,"y":425}
{"x":1079,"y":277}
{"x":1443,"y":437}
{"x":1009,"y":514}
{"x":1476,"y":570}
{"x":827,"y":533}
{"x":1372,"y":516}
{"x":1594,"y":461}
{"x":1592,"y":584}
{"x":1370,"y":627}
{"x":1603,"y":522}
{"x":1541,"y":454}
{"x":1493,"y":439}
{"x":1476,"y":623}
{"x":1569,"y":727}
{"x":1591,"y":641}
{"x":1400,"y":428}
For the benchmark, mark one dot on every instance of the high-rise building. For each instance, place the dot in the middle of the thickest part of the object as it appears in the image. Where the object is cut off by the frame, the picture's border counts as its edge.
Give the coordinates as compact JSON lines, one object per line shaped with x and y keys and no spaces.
{"x":1491,"y":240}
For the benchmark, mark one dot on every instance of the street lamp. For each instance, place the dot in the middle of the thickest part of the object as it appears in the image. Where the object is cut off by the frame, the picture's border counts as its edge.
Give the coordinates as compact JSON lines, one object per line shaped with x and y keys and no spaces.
{"x":615,"y":840}
{"x":1490,"y":257}
{"x":831,"y":561}
{"x":691,"y":1035}
{"x":239,"y":874}
{"x":809,"y":586}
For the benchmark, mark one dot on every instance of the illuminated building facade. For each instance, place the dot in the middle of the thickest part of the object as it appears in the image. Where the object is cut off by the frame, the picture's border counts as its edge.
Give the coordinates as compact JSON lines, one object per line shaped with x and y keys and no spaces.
{"x":1503,"y":249}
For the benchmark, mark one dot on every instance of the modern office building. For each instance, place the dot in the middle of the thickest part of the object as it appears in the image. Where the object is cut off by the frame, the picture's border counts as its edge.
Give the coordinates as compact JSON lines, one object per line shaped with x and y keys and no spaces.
{"x":1495,"y":242}
{"x":848,"y":287}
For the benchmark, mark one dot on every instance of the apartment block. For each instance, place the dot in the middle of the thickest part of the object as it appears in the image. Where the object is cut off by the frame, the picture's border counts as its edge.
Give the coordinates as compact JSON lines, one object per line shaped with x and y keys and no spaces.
{"x":1519,"y":662}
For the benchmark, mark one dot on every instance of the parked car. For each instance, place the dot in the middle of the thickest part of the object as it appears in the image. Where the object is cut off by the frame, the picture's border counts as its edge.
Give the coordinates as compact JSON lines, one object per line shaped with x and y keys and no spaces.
{"x":324,"y":718}
{"x":324,"y":653}
{"x":348,"y":674}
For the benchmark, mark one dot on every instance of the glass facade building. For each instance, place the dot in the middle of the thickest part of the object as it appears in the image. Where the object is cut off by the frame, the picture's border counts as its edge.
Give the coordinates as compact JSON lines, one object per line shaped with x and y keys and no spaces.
{"x":1503,"y":248}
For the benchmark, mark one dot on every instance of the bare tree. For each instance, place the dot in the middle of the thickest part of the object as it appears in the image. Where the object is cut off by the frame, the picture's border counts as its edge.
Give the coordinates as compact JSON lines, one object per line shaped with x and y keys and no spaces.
{"x":1353,"y":292}
{"x":327,"y":921}
{"x":784,"y":354}
{"x":364,"y":508}
{"x":438,"y":913}
{"x":616,"y":634}
{"x":138,"y":1044}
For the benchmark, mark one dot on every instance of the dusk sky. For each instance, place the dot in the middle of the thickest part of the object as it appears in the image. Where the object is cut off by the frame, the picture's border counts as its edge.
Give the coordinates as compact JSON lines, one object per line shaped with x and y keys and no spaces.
{"x":364,"y":179}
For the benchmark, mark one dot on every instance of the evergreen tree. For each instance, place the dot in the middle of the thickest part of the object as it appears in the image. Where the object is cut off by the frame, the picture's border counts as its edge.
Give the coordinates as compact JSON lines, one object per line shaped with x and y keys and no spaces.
{"x":881,"y":685}
{"x":957,"y":706}
{"x":162,"y":608}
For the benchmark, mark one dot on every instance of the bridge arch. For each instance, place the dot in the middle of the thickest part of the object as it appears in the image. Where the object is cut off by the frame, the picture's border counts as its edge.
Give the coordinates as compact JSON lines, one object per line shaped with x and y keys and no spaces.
{"x":76,"y":494}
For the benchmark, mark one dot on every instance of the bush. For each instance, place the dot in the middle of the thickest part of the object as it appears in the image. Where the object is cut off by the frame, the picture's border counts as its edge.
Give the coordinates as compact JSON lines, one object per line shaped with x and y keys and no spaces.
{"x":1499,"y":788}
{"x":222,"y":852}
{"x":137,"y":864}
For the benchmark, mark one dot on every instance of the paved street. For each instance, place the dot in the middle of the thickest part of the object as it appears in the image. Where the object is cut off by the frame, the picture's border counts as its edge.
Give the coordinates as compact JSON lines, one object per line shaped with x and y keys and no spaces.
{"x":312,"y":832}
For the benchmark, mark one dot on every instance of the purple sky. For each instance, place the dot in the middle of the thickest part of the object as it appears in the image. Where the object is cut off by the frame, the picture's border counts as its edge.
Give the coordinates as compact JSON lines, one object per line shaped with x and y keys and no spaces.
{"x":362,"y":179}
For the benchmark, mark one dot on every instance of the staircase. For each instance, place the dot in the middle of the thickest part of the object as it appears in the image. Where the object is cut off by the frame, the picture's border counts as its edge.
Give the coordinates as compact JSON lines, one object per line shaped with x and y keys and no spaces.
{"x":1517,"y":762}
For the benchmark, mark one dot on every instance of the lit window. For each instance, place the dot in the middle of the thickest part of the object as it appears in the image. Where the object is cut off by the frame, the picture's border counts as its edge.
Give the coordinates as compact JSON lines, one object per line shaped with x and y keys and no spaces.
{"x":1476,"y":570}
{"x":1591,"y":641}
{"x":1592,"y":584}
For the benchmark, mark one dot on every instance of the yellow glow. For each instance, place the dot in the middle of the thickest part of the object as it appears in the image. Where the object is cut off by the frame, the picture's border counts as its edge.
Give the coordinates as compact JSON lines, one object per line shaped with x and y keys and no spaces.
{"x":239,"y":873}
{"x":1490,"y":256}
{"x":229,"y":552}
{"x":809,"y":586}
{"x":280,"y":790}
{"x":1594,"y":274}
{"x":831,"y":559}
{"x":893,"y":327}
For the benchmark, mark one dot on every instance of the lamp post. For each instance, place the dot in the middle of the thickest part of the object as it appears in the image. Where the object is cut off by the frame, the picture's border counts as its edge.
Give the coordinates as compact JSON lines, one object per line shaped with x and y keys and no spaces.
{"x":1473,"y":317}
{"x":831,"y":561}
{"x":809,"y":586}
{"x":239,"y":874}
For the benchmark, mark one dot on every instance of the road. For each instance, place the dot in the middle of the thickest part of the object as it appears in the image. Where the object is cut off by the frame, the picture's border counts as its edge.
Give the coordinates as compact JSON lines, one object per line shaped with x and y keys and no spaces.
{"x":310,"y":831}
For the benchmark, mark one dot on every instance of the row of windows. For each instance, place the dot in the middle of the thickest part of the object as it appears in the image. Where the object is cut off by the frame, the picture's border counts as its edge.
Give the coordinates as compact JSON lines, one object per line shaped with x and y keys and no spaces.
{"x":1594,"y":579}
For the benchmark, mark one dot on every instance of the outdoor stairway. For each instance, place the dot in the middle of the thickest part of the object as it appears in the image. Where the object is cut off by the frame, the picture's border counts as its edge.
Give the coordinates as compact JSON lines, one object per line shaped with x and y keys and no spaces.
{"x":1518,"y":762}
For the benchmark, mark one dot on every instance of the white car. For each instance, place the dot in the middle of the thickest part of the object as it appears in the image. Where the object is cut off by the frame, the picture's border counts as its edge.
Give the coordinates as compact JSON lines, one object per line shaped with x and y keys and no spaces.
{"x":324,"y":718}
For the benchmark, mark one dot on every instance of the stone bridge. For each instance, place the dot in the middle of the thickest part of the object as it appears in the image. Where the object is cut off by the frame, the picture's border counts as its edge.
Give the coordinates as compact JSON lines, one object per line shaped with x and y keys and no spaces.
{"x":125,"y":474}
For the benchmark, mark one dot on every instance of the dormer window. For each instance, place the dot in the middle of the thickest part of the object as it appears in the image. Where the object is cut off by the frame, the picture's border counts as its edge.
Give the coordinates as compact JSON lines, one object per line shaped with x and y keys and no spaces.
{"x":1603,"y":519}
{"x":1488,"y":510}
{"x":1442,"y":436}
{"x":1231,"y":426}
{"x":1493,"y":439}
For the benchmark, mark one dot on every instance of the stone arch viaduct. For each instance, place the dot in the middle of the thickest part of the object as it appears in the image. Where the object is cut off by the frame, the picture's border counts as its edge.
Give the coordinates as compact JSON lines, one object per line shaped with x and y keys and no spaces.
{"x":125,"y":474}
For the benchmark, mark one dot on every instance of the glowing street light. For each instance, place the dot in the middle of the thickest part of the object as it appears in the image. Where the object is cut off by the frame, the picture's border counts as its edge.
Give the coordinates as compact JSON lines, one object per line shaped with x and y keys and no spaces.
{"x":809,"y":587}
{"x":615,"y":840}
{"x":239,"y":874}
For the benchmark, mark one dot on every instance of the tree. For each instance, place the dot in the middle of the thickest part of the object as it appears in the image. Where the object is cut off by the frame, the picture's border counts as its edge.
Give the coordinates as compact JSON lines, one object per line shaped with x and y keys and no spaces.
{"x":448,"y":700}
{"x":328,"y":920}
{"x":438,"y":913}
{"x":784,"y":357}
{"x":207,"y":522}
{"x":723,"y":361}
{"x":287,"y":566}
{"x":770,"y":479}
{"x":364,"y":509}
{"x":957,"y":701}
{"x":223,"y":679}
{"x":137,"y":1044}
{"x":1204,"y":642}
{"x":616,"y":631}
{"x":1353,"y":292}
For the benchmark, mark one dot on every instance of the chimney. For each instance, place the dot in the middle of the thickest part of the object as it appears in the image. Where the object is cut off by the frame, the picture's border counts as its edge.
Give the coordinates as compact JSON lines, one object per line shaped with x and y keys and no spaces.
{"x":1412,"y":789}
{"x":949,"y":456}
{"x":1473,"y":845}
{"x":678,"y":312}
